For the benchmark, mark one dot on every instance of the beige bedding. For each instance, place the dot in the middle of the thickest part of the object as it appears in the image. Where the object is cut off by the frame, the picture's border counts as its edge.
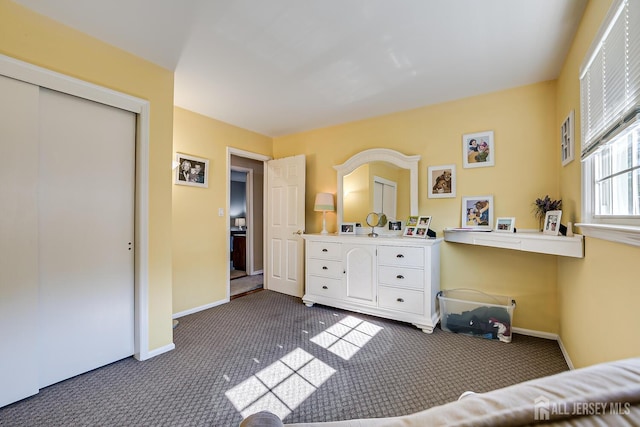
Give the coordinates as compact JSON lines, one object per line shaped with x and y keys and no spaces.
{"x":602,"y":395}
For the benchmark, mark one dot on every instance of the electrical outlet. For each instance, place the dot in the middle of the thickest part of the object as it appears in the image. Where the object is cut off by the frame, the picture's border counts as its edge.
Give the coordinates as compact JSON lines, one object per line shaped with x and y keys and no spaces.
{"x":220,"y":211}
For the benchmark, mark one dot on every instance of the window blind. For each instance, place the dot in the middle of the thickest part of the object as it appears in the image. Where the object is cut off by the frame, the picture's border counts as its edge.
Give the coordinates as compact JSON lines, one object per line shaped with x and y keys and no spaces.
{"x":610,"y":78}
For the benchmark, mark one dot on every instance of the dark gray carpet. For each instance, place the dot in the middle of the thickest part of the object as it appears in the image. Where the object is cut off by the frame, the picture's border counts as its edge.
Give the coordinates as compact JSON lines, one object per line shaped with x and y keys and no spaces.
{"x":400,"y":370}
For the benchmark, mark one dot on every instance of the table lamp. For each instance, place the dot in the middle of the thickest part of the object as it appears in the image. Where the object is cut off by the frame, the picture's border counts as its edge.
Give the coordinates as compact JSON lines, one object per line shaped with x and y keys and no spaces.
{"x":324,"y":203}
{"x":240,"y":222}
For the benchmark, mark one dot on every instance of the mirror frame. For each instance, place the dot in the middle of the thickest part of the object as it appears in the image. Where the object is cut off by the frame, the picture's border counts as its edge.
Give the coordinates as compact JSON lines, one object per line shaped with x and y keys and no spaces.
{"x":384,"y":155}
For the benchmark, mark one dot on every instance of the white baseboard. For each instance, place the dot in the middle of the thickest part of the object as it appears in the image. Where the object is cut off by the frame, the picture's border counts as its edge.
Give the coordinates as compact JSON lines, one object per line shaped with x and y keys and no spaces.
{"x":549,"y":336}
{"x":538,"y":334}
{"x":565,"y":354}
{"x":202,"y":307}
{"x":156,"y":352}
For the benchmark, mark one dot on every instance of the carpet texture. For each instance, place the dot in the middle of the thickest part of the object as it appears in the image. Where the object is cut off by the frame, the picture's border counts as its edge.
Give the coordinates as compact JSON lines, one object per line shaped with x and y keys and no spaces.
{"x":224,"y":353}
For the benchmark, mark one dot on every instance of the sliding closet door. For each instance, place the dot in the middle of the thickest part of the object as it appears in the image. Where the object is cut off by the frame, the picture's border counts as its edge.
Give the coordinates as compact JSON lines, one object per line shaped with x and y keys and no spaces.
{"x":18,"y":240}
{"x":86,"y":230}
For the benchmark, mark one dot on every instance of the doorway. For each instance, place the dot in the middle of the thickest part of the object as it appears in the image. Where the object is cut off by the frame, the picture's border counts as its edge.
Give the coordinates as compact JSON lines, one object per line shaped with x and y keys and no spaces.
{"x":246,"y":224}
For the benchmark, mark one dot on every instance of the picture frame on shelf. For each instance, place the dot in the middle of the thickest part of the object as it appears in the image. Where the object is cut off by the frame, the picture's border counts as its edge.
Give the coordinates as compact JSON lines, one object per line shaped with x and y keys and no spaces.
{"x":478,"y":150}
{"x":477,"y":212}
{"x":348,"y":228}
{"x":191,"y":170}
{"x":567,"y":140}
{"x":442,"y":181}
{"x":505,"y":224}
{"x":552,"y":223}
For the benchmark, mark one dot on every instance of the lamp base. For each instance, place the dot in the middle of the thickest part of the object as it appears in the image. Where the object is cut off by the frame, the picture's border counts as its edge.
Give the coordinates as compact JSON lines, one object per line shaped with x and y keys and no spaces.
{"x":324,"y":224}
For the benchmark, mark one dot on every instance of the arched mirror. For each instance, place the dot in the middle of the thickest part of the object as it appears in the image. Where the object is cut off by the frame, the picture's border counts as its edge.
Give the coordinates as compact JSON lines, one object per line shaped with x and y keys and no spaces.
{"x":377,"y":180}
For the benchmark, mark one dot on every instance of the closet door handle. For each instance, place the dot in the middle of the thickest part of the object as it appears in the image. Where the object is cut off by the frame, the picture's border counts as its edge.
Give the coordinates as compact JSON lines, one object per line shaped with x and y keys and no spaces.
{"x":400,"y":300}
{"x":324,"y":287}
{"x":399,"y":256}
{"x":399,"y":276}
{"x":325,"y":250}
{"x":324,"y":267}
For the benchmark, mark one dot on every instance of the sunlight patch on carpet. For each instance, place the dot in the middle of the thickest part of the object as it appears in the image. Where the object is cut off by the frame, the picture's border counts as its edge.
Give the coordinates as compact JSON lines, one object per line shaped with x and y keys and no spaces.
{"x":282,"y":386}
{"x":346,"y":337}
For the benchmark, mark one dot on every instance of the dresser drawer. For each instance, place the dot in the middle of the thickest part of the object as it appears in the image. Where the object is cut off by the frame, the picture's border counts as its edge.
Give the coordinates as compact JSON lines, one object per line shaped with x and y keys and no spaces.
{"x":324,"y":268}
{"x":405,"y":300}
{"x":325,"y":286}
{"x":324,"y":250}
{"x":404,"y":277}
{"x":401,"y":256}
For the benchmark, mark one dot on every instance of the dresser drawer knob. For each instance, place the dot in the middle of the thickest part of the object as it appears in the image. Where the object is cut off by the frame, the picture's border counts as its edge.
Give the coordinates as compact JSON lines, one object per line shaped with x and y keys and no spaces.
{"x":324,"y":287}
{"x":325,"y":250}
{"x":399,"y":276}
{"x":400,"y":300}
{"x":324,"y":267}
{"x":399,"y":256}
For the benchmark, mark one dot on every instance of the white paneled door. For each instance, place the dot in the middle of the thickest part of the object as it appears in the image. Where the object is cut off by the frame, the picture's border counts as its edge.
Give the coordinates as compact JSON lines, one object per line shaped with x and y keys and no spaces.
{"x":285,"y":223}
{"x":86,"y":184}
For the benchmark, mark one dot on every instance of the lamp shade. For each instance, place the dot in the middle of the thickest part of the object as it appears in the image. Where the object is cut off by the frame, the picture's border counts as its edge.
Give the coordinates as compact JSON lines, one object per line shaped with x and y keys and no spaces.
{"x":240,"y":222}
{"x":324,"y":202}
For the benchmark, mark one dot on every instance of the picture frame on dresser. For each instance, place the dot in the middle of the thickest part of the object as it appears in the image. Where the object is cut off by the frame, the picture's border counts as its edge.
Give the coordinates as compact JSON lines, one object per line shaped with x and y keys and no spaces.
{"x":421,"y":228}
{"x":348,"y":228}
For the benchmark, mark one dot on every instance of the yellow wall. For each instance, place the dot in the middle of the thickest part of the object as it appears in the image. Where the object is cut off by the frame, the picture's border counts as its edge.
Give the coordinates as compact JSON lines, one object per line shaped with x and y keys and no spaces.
{"x":32,"y":38}
{"x":200,"y":236}
{"x":524,"y":125}
{"x":589,"y":301}
{"x":598,"y":299}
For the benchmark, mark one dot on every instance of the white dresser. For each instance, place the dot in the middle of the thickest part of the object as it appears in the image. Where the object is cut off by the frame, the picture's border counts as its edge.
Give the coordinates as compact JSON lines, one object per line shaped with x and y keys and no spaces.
{"x":392,"y":277}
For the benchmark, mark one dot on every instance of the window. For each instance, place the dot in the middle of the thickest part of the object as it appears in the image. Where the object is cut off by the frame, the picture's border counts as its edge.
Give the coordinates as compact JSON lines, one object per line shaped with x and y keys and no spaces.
{"x":610,"y":116}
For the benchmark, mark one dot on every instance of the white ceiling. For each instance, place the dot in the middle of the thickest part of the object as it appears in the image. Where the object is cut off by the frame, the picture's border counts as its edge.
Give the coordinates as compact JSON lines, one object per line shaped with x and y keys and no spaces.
{"x":283,"y":66}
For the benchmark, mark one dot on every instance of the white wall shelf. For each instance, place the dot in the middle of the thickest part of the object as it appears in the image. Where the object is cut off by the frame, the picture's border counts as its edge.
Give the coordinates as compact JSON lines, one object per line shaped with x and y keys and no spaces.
{"x":524,"y":241}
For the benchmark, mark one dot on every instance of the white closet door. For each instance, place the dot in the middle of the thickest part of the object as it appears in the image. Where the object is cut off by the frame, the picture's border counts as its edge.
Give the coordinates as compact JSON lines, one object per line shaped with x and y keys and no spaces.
{"x":86,"y":219}
{"x":18,"y":240}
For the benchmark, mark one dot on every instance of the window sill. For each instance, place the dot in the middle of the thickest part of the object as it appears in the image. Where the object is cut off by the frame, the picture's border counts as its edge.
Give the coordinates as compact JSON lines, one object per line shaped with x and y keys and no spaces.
{"x":615,"y":233}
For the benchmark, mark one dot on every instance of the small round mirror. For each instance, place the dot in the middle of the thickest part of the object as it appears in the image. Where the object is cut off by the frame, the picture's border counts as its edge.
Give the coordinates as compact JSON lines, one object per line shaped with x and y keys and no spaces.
{"x":372,"y":219}
{"x":382,"y":221}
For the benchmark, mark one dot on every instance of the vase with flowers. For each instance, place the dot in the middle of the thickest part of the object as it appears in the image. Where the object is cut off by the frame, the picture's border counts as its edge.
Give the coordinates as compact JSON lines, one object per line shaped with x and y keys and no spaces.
{"x":542,"y":206}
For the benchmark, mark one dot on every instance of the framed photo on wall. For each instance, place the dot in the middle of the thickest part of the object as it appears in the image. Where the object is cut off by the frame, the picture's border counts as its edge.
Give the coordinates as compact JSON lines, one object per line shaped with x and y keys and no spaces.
{"x":191,"y":170}
{"x":478,"y":150}
{"x":566,"y":139}
{"x":477,"y":212}
{"x":442,"y":181}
